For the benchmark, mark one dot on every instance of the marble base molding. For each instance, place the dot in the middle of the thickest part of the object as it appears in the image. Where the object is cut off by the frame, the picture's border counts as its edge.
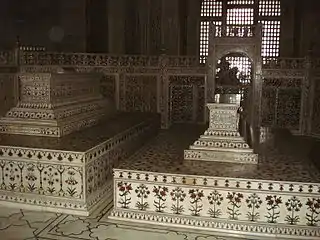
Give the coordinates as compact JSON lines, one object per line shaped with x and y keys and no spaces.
{"x":246,"y":207}
{"x":220,"y":156}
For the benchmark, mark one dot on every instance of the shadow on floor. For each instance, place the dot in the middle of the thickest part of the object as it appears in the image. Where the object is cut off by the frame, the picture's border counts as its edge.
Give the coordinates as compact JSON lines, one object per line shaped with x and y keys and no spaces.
{"x":297,"y":146}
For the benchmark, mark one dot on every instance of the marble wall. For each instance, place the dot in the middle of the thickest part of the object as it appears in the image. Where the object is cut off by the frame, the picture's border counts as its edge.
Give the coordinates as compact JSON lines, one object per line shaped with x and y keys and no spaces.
{"x":7,"y":94}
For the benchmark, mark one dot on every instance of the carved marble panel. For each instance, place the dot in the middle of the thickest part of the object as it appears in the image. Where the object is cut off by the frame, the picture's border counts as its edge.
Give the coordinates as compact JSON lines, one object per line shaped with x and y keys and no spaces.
{"x":186,"y":98}
{"x":289,"y":108}
{"x":108,"y":86}
{"x":268,"y":106}
{"x":141,"y":93}
{"x":281,"y":102}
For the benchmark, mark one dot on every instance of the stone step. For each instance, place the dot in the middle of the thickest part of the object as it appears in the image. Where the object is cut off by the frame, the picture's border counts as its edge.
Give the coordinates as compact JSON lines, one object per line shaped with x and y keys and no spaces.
{"x":220,"y":156}
{"x":220,"y":149}
{"x":222,"y":139}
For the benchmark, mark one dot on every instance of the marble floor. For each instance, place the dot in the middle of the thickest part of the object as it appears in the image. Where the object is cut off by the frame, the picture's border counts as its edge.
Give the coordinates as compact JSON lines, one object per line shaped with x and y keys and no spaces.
{"x":18,"y":224}
{"x":280,"y":162}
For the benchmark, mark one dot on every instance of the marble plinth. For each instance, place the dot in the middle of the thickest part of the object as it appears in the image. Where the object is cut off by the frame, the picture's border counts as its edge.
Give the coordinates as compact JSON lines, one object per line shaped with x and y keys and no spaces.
{"x":56,"y":104}
{"x":277,"y":199}
{"x":222,"y":140}
{"x":71,"y":174}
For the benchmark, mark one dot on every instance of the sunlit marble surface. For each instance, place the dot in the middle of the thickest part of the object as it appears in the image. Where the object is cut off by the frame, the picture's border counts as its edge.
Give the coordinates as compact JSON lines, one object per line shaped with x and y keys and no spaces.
{"x":18,"y":224}
{"x":165,"y":154}
{"x":78,"y":141}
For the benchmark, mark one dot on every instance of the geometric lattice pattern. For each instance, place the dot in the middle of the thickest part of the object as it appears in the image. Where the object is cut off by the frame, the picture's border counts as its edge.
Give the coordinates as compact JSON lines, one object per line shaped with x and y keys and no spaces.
{"x":269,"y":8}
{"x":240,"y":16}
{"x":239,"y":13}
{"x":204,"y":38}
{"x":211,"y":8}
{"x":242,"y":2}
{"x":270,"y":38}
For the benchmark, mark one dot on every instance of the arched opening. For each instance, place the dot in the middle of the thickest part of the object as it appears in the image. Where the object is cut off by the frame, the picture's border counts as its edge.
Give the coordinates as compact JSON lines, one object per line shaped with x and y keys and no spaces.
{"x":234,"y":77}
{"x":234,"y":74}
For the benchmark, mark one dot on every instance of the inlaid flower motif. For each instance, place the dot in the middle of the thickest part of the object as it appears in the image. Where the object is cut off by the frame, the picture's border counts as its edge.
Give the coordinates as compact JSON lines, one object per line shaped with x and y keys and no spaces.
{"x":215,"y":199}
{"x":142,"y":192}
{"x":293,"y":206}
{"x":234,"y":201}
{"x":196,"y":196}
{"x":160,"y":194}
{"x":312,"y":216}
{"x":124,"y":192}
{"x":253,"y":203}
{"x":273,"y":205}
{"x":178,"y":196}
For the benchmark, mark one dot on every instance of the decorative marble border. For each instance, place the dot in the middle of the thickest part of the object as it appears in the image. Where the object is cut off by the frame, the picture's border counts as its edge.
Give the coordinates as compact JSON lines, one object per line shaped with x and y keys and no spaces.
{"x":43,"y":155}
{"x":242,"y":206}
{"x":219,"y":226}
{"x":237,"y":184}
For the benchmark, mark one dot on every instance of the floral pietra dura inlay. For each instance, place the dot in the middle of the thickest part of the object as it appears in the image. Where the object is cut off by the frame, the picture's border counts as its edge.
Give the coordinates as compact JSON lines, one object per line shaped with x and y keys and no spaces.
{"x":217,"y":200}
{"x":258,"y":207}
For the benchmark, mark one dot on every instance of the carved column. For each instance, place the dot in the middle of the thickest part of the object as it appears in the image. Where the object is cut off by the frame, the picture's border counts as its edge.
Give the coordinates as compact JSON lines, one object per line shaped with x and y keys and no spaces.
{"x":193,"y":31}
{"x":257,"y":90}
{"x":164,"y":100}
{"x":73,"y":22}
{"x":116,"y":24}
{"x":211,"y":66}
{"x":154,"y":37}
{"x":170,"y":29}
{"x":306,"y":99}
{"x":144,"y":25}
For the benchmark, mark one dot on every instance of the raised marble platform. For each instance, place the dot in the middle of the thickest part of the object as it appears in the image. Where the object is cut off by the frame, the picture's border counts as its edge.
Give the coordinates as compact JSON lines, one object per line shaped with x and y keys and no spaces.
{"x":71,"y":174}
{"x":222,"y":142}
{"x":278,"y":198}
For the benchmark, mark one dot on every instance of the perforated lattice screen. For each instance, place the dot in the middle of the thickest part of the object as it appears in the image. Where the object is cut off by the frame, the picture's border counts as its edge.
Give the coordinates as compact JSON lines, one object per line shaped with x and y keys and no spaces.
{"x":269,"y":8}
{"x":204,"y":39}
{"x":240,"y":2}
{"x":211,"y":8}
{"x":270,"y":38}
{"x":242,"y":12}
{"x":240,"y":16}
